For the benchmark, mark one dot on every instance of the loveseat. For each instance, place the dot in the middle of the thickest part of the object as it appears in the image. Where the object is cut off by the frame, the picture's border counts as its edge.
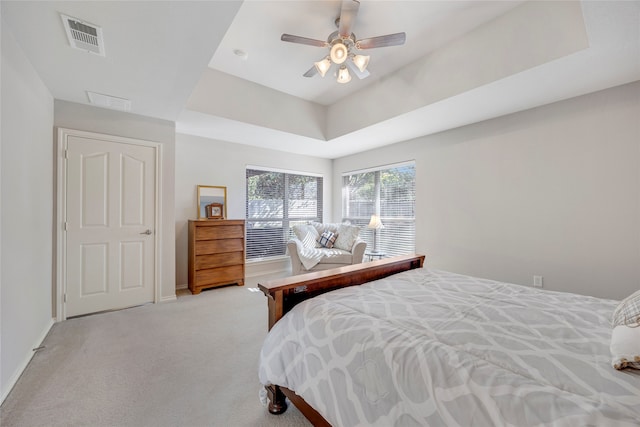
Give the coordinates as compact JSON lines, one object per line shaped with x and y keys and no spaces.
{"x":320,"y":246}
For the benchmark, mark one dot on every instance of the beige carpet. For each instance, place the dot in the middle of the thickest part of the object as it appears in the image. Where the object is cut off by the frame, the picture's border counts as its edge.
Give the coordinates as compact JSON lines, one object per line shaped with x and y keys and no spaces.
{"x":192,"y":362}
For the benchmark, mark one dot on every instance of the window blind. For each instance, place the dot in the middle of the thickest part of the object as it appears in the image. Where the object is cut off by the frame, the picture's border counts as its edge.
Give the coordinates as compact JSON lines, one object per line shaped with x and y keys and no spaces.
{"x":390,"y":193}
{"x":276,"y":201}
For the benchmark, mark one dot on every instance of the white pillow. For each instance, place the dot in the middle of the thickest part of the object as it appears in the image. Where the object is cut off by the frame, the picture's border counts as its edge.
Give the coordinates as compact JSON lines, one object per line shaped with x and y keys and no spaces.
{"x":321,"y":227}
{"x":347,"y":235}
{"x":307,"y":234}
{"x":625,"y":347}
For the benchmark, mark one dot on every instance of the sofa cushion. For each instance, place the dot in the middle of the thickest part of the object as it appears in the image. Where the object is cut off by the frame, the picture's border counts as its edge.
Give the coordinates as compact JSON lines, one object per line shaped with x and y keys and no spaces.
{"x":347,"y":235}
{"x":310,"y":257}
{"x":335,"y":256}
{"x":307,"y":234}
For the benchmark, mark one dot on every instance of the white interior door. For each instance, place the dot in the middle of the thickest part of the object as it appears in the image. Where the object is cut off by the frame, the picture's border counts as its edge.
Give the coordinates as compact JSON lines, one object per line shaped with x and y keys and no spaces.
{"x":110,"y":221}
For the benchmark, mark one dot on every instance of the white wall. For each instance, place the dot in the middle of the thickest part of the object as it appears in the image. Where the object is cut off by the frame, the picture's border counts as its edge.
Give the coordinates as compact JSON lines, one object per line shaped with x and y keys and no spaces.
{"x":27,"y":206}
{"x":100,"y":120}
{"x":201,"y":161}
{"x":552,"y":191}
{"x":505,"y":46}
{"x":248,"y":102}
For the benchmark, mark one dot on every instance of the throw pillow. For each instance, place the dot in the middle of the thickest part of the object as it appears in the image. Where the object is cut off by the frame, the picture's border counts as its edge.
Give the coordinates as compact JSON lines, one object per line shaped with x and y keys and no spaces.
{"x":625,"y":338}
{"x":625,"y":347}
{"x":347,"y":236}
{"x":327,"y":239}
{"x":307,"y":234}
{"x":628,"y":311}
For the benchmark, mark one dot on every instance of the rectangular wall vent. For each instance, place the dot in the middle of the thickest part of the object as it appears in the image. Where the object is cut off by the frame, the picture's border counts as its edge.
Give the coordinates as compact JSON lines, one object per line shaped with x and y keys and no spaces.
{"x":83,"y":35}
{"x":108,"y":101}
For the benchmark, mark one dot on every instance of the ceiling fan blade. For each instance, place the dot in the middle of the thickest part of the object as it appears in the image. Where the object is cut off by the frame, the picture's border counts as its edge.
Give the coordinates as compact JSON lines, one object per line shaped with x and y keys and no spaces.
{"x":382,"y":41}
{"x":355,"y":70}
{"x":348,"y":16}
{"x":302,"y":40}
{"x":311,"y":72}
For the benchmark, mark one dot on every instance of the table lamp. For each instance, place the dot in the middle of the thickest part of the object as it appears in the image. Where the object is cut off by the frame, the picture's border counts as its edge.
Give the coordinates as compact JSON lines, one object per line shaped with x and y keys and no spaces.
{"x":376,"y":225}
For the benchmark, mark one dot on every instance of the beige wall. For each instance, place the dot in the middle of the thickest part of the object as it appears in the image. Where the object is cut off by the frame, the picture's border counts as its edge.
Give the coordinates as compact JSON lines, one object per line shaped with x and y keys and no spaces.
{"x":100,"y":120}
{"x":552,"y":191}
{"x":201,"y":161}
{"x":26,"y":154}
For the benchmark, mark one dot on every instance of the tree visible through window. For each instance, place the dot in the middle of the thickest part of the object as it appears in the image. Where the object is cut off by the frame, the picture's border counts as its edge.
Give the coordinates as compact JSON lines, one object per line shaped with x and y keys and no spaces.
{"x":276,"y":201}
{"x":390,"y":193}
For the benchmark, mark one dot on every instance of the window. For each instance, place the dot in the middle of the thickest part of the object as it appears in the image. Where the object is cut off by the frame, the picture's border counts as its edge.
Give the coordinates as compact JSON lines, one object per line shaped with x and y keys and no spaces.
{"x":276,"y":201}
{"x":390,"y":193}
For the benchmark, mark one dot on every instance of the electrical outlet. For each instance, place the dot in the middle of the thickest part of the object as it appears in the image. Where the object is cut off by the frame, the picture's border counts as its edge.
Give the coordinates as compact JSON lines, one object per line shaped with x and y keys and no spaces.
{"x":537,"y":281}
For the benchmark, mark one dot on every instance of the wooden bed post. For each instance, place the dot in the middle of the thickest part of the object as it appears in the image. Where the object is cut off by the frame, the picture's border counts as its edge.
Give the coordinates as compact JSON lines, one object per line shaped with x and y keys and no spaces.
{"x":277,"y":401}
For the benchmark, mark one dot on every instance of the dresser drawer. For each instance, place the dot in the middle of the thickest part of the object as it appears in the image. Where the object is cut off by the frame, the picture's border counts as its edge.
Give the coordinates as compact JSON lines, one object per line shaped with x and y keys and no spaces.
{"x":219,"y":260}
{"x":204,"y":247}
{"x":220,"y":232}
{"x":220,"y":275}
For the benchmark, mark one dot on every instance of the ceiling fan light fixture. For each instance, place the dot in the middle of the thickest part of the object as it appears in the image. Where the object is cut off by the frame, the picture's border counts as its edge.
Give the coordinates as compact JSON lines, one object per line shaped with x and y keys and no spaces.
{"x":361,"y":61}
{"x":343,"y":75}
{"x":343,"y":46}
{"x":339,"y":53}
{"x":323,"y":66}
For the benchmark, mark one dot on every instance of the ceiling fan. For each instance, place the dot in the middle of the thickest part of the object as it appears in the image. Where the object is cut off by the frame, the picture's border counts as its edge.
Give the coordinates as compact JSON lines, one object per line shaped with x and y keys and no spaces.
{"x":343,"y":46}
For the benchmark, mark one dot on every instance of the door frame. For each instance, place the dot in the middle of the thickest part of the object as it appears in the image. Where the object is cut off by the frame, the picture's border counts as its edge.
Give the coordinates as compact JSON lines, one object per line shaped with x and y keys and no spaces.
{"x":61,"y":203}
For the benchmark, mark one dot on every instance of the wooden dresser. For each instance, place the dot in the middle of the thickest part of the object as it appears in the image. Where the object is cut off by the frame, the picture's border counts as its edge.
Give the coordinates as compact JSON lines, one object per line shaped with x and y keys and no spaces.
{"x":216,"y":253}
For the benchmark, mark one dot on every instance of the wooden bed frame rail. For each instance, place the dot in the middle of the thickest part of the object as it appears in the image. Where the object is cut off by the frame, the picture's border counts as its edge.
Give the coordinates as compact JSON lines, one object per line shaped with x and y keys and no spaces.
{"x":284,"y":294}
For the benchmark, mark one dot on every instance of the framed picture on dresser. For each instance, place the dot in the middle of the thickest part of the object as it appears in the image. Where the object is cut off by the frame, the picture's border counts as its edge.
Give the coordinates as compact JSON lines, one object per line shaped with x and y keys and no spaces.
{"x":214,"y":211}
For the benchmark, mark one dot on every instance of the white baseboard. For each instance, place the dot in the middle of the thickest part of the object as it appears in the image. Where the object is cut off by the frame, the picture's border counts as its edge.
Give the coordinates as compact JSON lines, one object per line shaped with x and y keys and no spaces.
{"x":267,"y":267}
{"x":183,"y":286}
{"x":16,"y":375}
{"x":168,"y":298}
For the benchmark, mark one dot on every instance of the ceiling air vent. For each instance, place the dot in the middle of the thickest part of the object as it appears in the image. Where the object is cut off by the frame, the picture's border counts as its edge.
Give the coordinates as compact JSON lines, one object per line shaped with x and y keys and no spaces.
{"x":108,"y":101}
{"x":83,"y":35}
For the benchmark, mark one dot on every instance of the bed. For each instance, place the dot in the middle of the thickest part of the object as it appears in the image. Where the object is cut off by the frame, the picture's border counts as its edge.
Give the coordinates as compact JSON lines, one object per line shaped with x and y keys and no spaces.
{"x":395,"y":344}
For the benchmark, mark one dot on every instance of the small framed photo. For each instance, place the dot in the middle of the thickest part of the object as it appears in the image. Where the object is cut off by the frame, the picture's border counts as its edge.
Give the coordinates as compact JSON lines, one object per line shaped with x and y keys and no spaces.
{"x":214,"y":211}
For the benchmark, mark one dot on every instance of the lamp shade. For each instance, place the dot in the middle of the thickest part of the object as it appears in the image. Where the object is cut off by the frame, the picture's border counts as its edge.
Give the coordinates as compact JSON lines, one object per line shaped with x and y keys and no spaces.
{"x":361,"y":62}
{"x":323,"y":66}
{"x":343,"y":75}
{"x":375,"y":223}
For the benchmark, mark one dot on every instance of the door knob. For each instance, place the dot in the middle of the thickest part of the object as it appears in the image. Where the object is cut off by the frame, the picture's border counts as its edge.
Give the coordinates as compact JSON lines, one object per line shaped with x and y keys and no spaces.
{"x":146,"y":232}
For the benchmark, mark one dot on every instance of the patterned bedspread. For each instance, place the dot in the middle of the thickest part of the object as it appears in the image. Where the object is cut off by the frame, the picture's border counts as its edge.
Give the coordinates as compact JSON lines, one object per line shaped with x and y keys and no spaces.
{"x":432,"y":348}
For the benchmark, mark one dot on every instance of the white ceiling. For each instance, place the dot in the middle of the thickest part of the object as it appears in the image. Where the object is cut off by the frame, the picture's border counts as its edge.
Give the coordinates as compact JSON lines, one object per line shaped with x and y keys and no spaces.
{"x":270,"y":62}
{"x":463,"y":62}
{"x":155,"y":51}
